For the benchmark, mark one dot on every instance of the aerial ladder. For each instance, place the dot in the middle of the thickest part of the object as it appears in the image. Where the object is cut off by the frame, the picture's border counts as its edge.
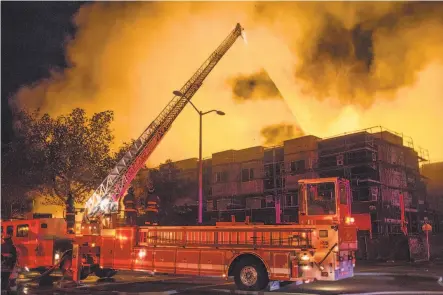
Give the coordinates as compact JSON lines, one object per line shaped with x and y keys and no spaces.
{"x":321,"y":247}
{"x":105,"y":199}
{"x":58,"y":234}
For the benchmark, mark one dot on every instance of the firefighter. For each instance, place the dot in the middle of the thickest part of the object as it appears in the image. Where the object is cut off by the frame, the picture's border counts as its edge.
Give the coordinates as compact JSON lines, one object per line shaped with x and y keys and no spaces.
{"x":9,"y":260}
{"x":70,"y":213}
{"x":152,"y":206}
{"x":130,"y":210}
{"x":141,"y":209}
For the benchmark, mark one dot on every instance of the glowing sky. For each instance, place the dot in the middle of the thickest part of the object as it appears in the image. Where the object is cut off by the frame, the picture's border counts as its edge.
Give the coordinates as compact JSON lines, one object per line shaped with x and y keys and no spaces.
{"x":129,"y":57}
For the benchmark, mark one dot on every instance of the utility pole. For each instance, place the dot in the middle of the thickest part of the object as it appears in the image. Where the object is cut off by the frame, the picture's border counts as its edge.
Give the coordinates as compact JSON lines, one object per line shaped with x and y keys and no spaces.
{"x":200,"y":173}
{"x":200,"y":160}
{"x":277,"y":203}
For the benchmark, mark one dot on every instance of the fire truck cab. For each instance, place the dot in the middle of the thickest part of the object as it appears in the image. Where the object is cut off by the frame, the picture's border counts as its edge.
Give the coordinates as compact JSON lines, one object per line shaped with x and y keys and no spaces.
{"x":40,"y":242}
{"x":321,"y":247}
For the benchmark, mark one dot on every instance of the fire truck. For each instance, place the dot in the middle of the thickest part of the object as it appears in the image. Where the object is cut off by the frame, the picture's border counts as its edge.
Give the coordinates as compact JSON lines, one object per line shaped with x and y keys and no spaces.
{"x":44,"y":243}
{"x":320,"y":247}
{"x":40,"y":242}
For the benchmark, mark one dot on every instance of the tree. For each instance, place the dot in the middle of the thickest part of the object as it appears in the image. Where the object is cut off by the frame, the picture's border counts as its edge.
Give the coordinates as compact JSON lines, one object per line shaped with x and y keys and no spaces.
{"x":55,"y":156}
{"x":21,"y":164}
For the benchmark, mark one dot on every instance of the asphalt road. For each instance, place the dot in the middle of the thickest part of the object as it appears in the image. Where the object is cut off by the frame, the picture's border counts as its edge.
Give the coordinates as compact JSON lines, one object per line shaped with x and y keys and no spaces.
{"x":396,"y":279}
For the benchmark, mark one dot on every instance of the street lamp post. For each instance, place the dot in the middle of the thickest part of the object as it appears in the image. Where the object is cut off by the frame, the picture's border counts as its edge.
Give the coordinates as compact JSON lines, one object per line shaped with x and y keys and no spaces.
{"x":200,"y":161}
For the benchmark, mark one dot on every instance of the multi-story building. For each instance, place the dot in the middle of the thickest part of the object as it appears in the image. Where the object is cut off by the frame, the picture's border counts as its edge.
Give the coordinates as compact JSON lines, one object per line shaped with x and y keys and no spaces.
{"x":434,"y":183}
{"x":261,"y":182}
{"x":382,"y":166}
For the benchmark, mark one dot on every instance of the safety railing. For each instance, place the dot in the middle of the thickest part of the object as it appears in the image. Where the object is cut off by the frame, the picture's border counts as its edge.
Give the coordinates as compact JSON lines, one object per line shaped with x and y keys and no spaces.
{"x":252,"y":237}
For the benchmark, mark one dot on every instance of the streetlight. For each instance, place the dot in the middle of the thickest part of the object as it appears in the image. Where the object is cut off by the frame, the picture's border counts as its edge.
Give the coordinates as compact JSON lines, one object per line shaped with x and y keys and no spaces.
{"x":200,"y":162}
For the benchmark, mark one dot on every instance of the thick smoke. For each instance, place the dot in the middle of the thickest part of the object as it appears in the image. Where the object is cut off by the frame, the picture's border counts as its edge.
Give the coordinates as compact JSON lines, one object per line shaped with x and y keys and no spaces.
{"x":257,"y":86}
{"x":128,"y":57}
{"x":277,"y":133}
{"x":356,"y":54}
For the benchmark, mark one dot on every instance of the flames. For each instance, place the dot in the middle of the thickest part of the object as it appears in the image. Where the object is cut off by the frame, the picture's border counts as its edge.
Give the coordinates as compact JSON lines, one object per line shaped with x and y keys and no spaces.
{"x":336,"y":67}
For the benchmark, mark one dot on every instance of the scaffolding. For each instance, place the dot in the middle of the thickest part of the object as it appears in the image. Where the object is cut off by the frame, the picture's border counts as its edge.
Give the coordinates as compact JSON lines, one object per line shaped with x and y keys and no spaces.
{"x":381,"y":165}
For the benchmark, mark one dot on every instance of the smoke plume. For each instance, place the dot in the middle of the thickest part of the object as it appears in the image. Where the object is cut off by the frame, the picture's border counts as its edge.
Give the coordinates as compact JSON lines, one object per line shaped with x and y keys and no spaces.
{"x":378,"y":63}
{"x":357,"y":52}
{"x":258,"y":86}
{"x":277,"y":133}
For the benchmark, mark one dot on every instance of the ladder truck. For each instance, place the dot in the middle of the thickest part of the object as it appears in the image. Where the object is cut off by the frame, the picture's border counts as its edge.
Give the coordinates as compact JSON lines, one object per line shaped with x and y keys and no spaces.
{"x":44,"y":244}
{"x":321,"y":247}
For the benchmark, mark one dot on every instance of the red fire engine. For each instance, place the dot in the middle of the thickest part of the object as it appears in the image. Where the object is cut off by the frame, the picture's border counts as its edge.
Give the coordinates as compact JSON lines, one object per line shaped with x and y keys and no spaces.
{"x":40,"y":243}
{"x":321,"y":246}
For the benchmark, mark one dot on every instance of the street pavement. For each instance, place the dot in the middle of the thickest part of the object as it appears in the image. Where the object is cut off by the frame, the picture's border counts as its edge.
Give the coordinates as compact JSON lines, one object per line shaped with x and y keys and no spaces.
{"x":393,"y":278}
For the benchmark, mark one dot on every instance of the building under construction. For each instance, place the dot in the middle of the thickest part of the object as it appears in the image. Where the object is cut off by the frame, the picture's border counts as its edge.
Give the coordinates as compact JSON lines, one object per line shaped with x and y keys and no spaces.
{"x":258,"y":182}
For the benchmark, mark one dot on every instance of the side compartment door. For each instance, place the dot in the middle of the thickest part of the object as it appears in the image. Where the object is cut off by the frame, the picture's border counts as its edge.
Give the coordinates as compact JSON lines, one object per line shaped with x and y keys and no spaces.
{"x":27,"y":250}
{"x":187,"y":261}
{"x":212,"y":262}
{"x":164,"y":260}
{"x":107,"y":252}
{"x":124,"y":248}
{"x":45,"y":244}
{"x":280,"y":266}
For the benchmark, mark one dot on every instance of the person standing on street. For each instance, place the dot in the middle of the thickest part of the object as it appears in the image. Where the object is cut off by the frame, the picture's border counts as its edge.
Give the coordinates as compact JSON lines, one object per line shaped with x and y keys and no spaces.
{"x":9,"y":259}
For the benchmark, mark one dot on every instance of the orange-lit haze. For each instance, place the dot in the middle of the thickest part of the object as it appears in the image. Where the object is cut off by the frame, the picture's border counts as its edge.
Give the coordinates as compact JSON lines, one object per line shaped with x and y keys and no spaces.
{"x":129,"y":57}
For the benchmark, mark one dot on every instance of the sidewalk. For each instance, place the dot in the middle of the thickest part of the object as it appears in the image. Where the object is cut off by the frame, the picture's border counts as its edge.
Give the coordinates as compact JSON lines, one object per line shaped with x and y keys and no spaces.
{"x":426,"y":264}
{"x":431,"y":270}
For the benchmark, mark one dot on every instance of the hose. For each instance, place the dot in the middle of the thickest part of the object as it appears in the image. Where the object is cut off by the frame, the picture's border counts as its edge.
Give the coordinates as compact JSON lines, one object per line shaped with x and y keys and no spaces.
{"x":50,"y":270}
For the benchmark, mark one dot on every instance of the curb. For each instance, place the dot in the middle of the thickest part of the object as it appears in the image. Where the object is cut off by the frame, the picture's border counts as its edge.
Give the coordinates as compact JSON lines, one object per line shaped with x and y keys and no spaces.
{"x":212,"y":290}
{"x":398,"y":292}
{"x":438,"y":278}
{"x":148,"y":293}
{"x":259,"y":292}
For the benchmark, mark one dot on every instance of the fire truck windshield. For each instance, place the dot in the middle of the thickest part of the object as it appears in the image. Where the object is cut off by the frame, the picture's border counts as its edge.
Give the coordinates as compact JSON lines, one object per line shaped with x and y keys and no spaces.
{"x":321,"y":199}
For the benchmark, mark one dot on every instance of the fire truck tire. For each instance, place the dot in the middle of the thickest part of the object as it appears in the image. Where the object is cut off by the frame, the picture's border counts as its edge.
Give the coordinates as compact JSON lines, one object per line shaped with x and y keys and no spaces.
{"x":42,"y":270}
{"x":105,"y":272}
{"x":251,"y":275}
{"x":65,"y":267}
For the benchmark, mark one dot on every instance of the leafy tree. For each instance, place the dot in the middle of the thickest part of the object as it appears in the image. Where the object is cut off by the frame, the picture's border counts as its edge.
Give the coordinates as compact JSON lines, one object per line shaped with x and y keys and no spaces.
{"x":22,"y":161}
{"x":56,"y":155}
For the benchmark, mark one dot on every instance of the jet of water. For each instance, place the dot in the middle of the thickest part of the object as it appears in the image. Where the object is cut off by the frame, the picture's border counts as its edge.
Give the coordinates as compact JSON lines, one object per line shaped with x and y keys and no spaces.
{"x":243,"y":34}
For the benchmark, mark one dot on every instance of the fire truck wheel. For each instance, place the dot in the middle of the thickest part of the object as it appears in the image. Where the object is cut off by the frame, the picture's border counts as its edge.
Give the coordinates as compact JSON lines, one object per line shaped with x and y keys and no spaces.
{"x":65,"y":267}
{"x":42,"y":270}
{"x":251,"y":275}
{"x":105,"y":272}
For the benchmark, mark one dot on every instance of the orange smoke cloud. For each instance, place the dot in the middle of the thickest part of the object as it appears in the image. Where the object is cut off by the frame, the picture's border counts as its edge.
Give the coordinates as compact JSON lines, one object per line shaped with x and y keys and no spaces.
{"x":277,"y":133}
{"x":129,"y":57}
{"x":256,"y":86}
{"x":371,"y":53}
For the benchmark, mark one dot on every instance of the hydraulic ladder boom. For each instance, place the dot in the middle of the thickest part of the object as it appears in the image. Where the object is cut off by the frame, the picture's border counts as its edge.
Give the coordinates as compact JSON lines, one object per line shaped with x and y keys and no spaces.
{"x":105,"y":198}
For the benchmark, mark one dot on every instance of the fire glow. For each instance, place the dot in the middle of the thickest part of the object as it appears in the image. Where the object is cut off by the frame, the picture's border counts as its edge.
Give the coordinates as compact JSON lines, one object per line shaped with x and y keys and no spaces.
{"x":132,"y":70}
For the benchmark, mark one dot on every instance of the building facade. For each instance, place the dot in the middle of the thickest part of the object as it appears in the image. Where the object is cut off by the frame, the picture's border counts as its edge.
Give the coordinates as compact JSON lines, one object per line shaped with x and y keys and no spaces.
{"x":433,"y":174}
{"x":262,"y":182}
